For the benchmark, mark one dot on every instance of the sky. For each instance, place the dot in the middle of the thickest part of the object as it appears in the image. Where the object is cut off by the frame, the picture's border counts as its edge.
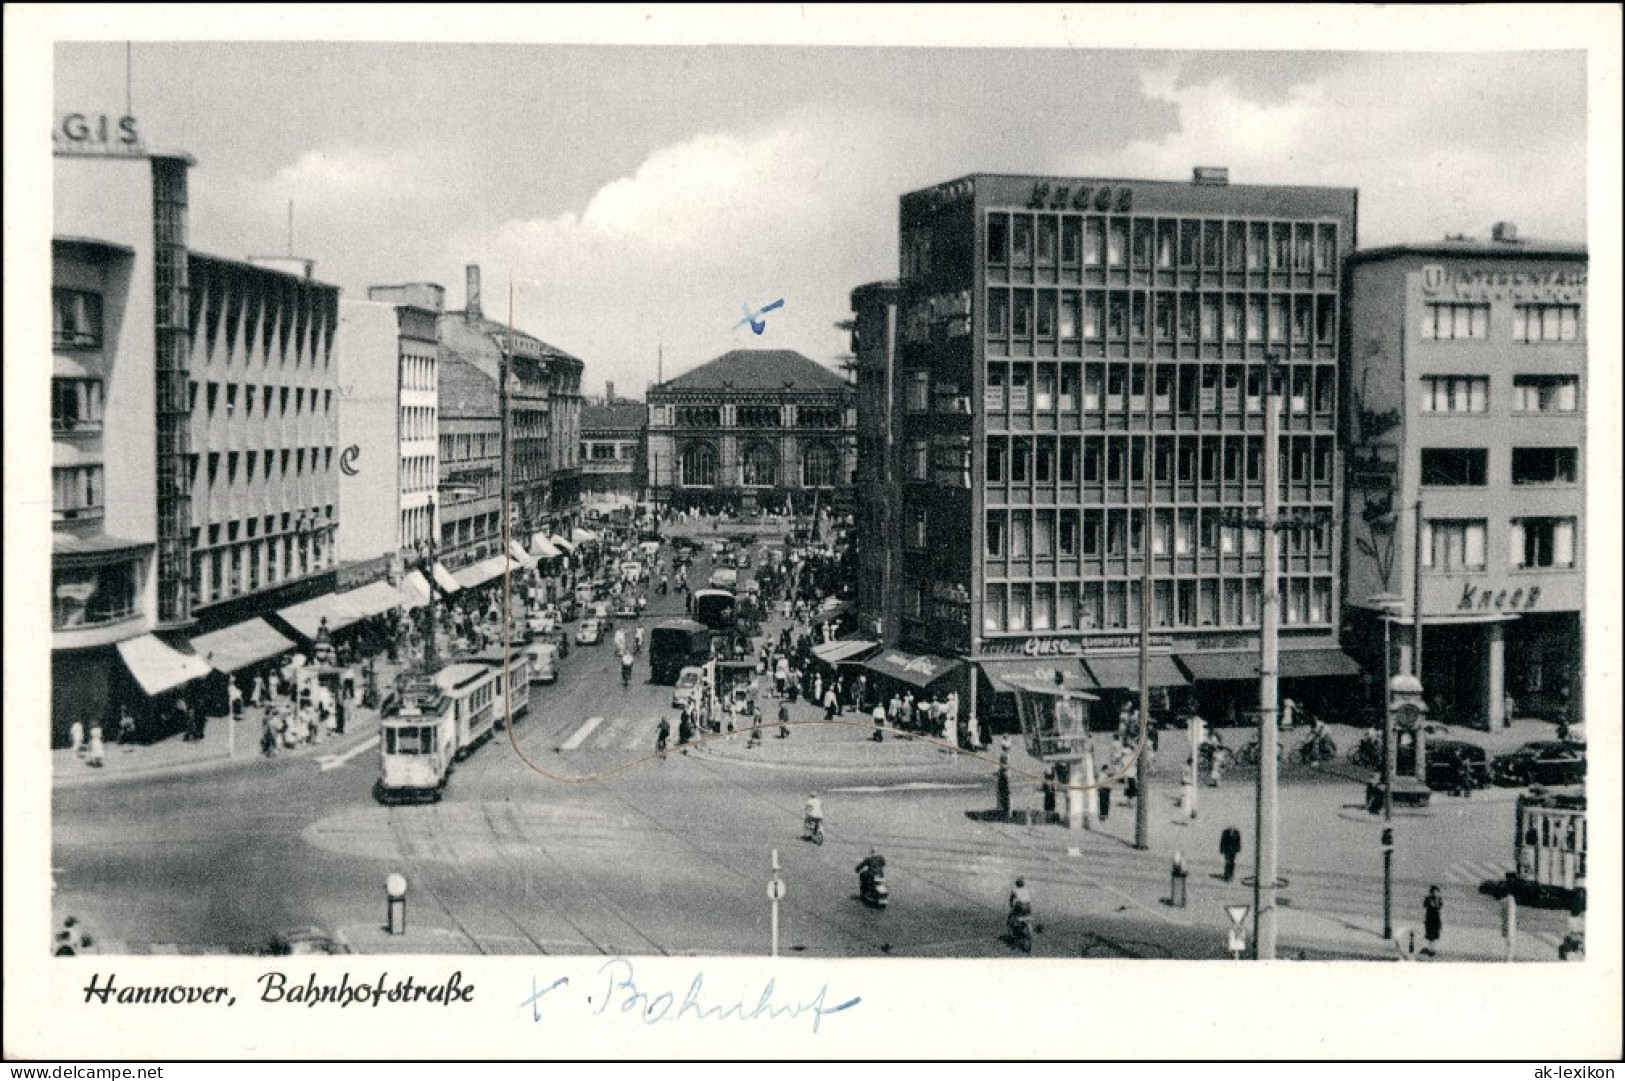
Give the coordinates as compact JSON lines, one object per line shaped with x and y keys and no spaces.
{"x":642,"y":198}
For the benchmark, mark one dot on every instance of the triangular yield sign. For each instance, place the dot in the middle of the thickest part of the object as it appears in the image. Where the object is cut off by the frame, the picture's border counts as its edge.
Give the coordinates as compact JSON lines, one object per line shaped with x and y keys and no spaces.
{"x":1238,"y":913}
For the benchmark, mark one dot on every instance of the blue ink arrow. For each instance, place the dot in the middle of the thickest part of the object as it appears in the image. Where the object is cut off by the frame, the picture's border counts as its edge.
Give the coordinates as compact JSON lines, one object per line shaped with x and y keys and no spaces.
{"x":756,"y":324}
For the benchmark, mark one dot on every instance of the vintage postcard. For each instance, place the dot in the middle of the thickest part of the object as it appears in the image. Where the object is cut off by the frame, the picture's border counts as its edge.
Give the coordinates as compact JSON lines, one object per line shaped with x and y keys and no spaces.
{"x":803,"y":532}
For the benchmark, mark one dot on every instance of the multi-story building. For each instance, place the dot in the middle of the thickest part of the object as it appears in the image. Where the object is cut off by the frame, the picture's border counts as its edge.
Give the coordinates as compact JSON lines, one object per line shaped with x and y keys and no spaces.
{"x":1468,"y":401}
{"x":753,"y":429}
{"x":877,"y":494}
{"x":544,"y":410}
{"x":470,"y":500}
{"x":389,"y":423}
{"x":1043,"y":323}
{"x":613,"y":466}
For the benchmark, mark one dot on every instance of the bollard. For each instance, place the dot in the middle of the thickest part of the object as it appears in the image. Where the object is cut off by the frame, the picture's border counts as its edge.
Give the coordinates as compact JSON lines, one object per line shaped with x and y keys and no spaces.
{"x":1176,"y":882}
{"x":395,"y":915}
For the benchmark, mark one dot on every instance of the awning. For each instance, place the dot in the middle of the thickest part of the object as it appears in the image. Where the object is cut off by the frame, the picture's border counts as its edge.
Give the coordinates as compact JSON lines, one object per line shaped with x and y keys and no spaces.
{"x":999,"y":672}
{"x":1211,"y":667}
{"x":372,"y":599}
{"x":583,"y":536}
{"x":522,"y":557}
{"x":1123,"y":672}
{"x":414,"y":590}
{"x":238,"y":646}
{"x":919,"y":671}
{"x":544,"y":548}
{"x":832,"y":611}
{"x":443,"y":579}
{"x":64,"y":366}
{"x":306,"y":617}
{"x":1307,"y":663}
{"x":157,"y":667}
{"x":477,"y":574}
{"x":560,"y":543}
{"x":835,"y":652}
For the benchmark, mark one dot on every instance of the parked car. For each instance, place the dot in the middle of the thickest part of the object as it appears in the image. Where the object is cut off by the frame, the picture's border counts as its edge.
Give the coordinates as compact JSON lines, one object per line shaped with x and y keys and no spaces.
{"x":590,"y":633}
{"x":306,"y":940}
{"x":1453,"y":765}
{"x":687,"y":680}
{"x":626,"y":609}
{"x":1544,"y":762}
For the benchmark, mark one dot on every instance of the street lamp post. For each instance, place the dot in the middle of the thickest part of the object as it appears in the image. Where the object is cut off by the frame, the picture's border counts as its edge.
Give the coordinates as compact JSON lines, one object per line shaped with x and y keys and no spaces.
{"x":1390,"y":745}
{"x":426,"y":561}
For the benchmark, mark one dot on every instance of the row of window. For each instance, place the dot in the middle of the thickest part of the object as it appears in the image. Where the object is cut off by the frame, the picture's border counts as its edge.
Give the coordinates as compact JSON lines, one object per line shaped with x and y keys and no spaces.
{"x":239,"y":568}
{"x":76,"y":405}
{"x":1024,"y":240}
{"x":609,"y":452}
{"x":1451,"y":544}
{"x":1114,"y":386}
{"x":249,"y":528}
{"x":469,"y":446}
{"x":1121,"y":315}
{"x":417,"y":524}
{"x":267,"y":395}
{"x":418,"y":474}
{"x":76,"y":493}
{"x":1187,"y":602}
{"x":1044,"y":534}
{"x":417,"y":372}
{"x":87,"y":597}
{"x":1185,"y":458}
{"x":76,"y":319}
{"x":1468,"y":467}
{"x":756,"y":416}
{"x":1471,"y":394}
{"x":698,"y":466}
{"x":292,"y":459}
{"x":464,"y":531}
{"x":1530,"y":322}
{"x":418,"y":422}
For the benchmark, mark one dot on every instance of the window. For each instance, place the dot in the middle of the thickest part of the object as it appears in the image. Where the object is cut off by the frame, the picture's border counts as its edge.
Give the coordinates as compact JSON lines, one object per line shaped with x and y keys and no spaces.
{"x":85,"y":597}
{"x":76,"y":493}
{"x":820,"y":467}
{"x":1116,"y":242}
{"x":995,"y":533}
{"x":1071,"y":241}
{"x":1546,"y":322}
{"x":995,"y":461}
{"x":1020,"y":457}
{"x":1068,"y":533}
{"x":1454,"y":467}
{"x":1255,"y":319}
{"x":919,"y":392}
{"x":1044,"y":534}
{"x":1455,"y":394}
{"x":1021,"y":318}
{"x":1046,"y":314}
{"x":1021,"y":241}
{"x":76,"y":319}
{"x":699,"y":416}
{"x":1069,"y":317}
{"x":1450,"y":544}
{"x":917,"y":527}
{"x":1451,"y":321}
{"x":1094,"y":239}
{"x":1545,"y":393}
{"x":758,"y":416}
{"x":920,"y":460}
{"x":993,"y":609}
{"x":1044,"y":389}
{"x":76,"y":404}
{"x":760,"y":466}
{"x":998,"y":239}
{"x":699,"y":465}
{"x":998,"y":312}
{"x":819,"y":417}
{"x":1542,"y":542}
{"x":1545,"y":465}
{"x":1046,"y":241}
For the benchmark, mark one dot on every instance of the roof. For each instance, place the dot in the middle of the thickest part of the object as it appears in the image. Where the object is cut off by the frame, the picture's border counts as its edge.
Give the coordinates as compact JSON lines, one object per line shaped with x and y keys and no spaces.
{"x":465,"y":390}
{"x":758,"y":369}
{"x":92,"y":244}
{"x":612,"y":415}
{"x":1476,"y":248}
{"x":483,"y":342}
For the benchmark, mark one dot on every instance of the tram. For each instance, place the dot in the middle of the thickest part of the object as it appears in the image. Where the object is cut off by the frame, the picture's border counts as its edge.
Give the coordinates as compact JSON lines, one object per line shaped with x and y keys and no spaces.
{"x":1549,"y":847}
{"x":515,"y":674}
{"x":432,"y":722}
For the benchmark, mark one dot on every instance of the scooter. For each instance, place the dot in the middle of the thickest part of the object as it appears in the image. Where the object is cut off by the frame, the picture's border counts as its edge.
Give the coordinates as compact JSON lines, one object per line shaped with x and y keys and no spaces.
{"x":872,"y":890}
{"x":1020,"y":929}
{"x":813,"y":830}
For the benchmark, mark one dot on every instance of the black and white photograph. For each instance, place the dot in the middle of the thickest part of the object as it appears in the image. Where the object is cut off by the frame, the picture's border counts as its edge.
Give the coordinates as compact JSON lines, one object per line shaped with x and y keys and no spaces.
{"x":1049,"y":507}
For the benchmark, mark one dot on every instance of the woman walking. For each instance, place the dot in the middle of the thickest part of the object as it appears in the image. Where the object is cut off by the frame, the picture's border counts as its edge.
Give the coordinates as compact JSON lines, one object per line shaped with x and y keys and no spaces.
{"x":1432,"y":919}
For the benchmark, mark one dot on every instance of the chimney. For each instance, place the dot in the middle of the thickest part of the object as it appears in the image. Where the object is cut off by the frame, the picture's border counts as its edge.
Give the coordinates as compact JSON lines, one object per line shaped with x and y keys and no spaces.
{"x":1218,"y":175}
{"x":1504,"y":232}
{"x":471,"y":309}
{"x":609,"y":390}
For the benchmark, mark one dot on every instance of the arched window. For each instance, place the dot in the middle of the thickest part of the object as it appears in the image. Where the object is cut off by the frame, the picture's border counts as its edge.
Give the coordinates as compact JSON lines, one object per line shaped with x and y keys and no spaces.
{"x":820,"y":466}
{"x":761,"y":466}
{"x":699,"y":465}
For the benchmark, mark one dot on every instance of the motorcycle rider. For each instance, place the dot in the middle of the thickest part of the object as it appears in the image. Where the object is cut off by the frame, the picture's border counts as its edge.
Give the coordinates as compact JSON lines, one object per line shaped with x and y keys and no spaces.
{"x":626,"y":669}
{"x":1021,"y":904}
{"x":870,"y":871}
{"x":814,"y":815}
{"x":637,"y":637}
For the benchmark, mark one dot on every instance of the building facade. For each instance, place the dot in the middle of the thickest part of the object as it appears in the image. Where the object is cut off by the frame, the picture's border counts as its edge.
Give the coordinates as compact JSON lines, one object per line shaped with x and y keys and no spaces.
{"x":614,"y":467}
{"x":1468,"y":399}
{"x":1043,"y":325}
{"x":877,"y":495}
{"x":263,"y":397}
{"x":753,"y":430}
{"x":470,"y":489}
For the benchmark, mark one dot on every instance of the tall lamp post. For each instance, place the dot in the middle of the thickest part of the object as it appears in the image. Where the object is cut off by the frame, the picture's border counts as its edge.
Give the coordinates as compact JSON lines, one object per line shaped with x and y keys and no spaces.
{"x":426,"y":550}
{"x":1055,"y":724}
{"x":1389,"y":605}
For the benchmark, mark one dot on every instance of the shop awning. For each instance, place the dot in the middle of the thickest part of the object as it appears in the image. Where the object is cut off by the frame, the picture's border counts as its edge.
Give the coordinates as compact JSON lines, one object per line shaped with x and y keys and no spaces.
{"x":443,"y":579}
{"x":522,"y":557}
{"x":306,"y":617}
{"x":414,"y":590}
{"x":914,"y":669}
{"x":1123,"y":672}
{"x":583,"y":536}
{"x":1309,"y":663}
{"x":543,"y":548}
{"x":560,"y":543}
{"x":999,"y":672}
{"x":158,"y":667}
{"x":845,"y":650}
{"x":1212,"y":667}
{"x":477,"y":574}
{"x":372,"y":599}
{"x":240,"y":645}
{"x":831,"y":611}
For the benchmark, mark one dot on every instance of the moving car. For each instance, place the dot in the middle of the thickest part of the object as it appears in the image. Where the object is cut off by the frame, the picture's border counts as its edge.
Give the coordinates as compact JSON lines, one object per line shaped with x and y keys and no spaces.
{"x":1453,"y":765}
{"x":306,"y":940}
{"x":604,"y":614}
{"x":590,"y":633}
{"x":626,"y":609}
{"x":544,"y":662}
{"x":687,"y":680}
{"x":1543,"y":762}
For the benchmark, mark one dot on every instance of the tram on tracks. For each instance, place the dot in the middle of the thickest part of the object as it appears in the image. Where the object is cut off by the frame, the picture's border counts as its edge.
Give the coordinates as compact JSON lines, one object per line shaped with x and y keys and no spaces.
{"x":1549,"y":848}
{"x":435,"y":720}
{"x":511,"y":672}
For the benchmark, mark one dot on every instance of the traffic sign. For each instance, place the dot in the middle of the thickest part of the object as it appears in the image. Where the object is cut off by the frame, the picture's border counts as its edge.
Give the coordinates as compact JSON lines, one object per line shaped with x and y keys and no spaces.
{"x":1238,"y":913}
{"x":775,"y":889}
{"x":1238,"y":940}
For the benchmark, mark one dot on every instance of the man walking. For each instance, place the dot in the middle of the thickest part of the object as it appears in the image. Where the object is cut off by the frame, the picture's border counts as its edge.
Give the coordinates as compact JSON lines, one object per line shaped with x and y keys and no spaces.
{"x":1230,"y":848}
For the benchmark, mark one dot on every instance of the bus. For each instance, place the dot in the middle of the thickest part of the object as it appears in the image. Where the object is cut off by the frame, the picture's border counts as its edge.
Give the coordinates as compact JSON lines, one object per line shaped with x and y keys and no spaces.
{"x":1549,"y":847}
{"x":715,"y":608}
{"x":675,"y":644}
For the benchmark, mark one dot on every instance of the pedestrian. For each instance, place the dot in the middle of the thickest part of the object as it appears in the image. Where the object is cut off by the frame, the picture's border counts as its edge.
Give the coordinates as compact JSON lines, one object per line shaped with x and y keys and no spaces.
{"x":1049,"y":794}
{"x":126,"y":729}
{"x":1187,"y":792}
{"x":183,"y":720}
{"x":880,"y":724}
{"x":662,"y":734}
{"x":1215,"y":760}
{"x":94,"y":760}
{"x":256,"y":690}
{"x":1230,"y":848}
{"x":76,"y":736}
{"x":784,"y":719}
{"x":832,"y":704}
{"x":268,"y":735}
{"x":234,"y":698}
{"x":339,"y":712}
{"x":1003,"y":786}
{"x":1432,"y":919}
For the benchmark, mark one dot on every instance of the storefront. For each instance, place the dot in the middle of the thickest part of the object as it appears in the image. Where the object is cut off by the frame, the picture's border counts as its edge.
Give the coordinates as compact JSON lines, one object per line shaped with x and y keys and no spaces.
{"x":241,"y":652}
{"x":160,"y":676}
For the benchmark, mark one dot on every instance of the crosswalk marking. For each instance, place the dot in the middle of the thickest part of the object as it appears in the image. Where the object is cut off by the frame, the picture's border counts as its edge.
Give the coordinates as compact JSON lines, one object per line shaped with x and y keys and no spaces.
{"x":1474,"y":872}
{"x":335,"y":761}
{"x":581,"y":734}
